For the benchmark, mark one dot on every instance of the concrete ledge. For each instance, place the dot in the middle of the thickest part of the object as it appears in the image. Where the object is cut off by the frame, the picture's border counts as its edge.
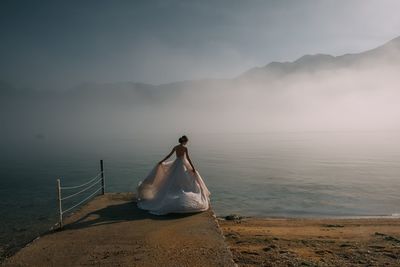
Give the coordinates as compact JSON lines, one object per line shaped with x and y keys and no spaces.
{"x":111,"y":231}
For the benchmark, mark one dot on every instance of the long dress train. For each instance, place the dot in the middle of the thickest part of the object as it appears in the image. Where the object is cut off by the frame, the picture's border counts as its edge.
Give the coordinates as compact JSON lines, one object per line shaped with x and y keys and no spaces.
{"x":173,"y":187}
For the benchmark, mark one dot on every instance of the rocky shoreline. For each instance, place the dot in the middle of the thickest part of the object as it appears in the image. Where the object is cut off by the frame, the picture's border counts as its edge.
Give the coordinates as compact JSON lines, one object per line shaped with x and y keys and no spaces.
{"x":312,"y":242}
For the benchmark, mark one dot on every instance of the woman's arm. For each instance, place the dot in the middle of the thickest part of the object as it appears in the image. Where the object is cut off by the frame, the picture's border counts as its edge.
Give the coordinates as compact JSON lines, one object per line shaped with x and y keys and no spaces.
{"x":169,"y":155}
{"x":190,"y":161}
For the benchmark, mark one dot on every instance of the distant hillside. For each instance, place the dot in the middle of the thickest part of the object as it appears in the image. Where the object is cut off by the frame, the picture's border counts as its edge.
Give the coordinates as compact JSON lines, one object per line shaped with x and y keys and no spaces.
{"x":315,"y":92}
{"x":388,"y":53}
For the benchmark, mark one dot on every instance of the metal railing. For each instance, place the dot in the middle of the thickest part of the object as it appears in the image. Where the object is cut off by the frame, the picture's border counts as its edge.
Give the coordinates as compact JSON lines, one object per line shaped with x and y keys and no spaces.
{"x":100,"y":177}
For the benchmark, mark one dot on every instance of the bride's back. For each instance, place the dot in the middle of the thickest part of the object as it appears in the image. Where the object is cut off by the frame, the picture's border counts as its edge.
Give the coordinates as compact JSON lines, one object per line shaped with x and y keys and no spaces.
{"x":180,"y":151}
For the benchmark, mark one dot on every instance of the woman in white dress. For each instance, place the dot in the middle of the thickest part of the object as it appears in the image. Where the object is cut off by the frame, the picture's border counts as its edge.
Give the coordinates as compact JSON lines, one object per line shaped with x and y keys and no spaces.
{"x":174,"y":186}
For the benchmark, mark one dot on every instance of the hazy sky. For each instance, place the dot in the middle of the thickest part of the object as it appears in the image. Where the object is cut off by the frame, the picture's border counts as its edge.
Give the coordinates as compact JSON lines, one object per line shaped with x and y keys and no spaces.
{"x":57,"y":44}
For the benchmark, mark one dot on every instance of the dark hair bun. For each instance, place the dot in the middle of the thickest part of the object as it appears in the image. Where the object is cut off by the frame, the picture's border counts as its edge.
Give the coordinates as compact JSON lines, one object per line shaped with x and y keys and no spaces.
{"x":183,"y":139}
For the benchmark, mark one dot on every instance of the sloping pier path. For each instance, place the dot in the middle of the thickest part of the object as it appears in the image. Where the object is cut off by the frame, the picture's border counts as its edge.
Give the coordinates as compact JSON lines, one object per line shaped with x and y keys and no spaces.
{"x":111,"y":231}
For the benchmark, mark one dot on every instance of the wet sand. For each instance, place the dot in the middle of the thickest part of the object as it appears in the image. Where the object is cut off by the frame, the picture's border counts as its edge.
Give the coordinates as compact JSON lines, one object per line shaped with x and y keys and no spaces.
{"x":313,"y":242}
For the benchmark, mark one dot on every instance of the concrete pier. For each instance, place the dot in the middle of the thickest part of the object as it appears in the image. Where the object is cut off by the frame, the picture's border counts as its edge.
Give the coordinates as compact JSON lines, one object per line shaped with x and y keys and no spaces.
{"x":111,"y":231}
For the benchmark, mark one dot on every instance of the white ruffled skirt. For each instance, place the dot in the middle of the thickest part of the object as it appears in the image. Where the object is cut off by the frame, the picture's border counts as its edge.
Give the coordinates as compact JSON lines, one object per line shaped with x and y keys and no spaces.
{"x":173,"y":187}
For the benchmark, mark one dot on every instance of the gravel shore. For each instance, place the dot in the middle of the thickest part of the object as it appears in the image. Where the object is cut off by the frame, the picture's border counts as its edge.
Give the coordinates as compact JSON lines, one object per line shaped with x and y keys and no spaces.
{"x":313,"y":242}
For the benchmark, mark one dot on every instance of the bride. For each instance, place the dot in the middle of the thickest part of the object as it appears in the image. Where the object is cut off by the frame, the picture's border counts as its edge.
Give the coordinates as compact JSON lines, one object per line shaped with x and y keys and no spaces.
{"x":174,"y":186}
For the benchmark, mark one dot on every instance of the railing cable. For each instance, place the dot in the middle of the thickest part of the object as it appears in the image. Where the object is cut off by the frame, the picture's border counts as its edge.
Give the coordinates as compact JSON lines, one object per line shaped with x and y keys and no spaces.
{"x":65,"y":211}
{"x":78,"y":186}
{"x":101,"y":178}
{"x":83,"y":190}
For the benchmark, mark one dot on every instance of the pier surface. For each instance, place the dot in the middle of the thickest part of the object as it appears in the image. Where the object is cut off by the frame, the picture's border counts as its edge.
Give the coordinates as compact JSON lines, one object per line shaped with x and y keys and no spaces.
{"x":111,"y":231}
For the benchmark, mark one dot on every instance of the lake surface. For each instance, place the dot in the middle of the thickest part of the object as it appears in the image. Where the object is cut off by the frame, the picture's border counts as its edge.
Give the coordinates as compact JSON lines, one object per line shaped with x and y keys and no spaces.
{"x":264,"y":174}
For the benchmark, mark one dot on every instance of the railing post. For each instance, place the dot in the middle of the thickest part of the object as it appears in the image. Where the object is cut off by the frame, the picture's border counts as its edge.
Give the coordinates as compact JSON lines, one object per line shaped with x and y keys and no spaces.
{"x":59,"y":203}
{"x":102,"y":178}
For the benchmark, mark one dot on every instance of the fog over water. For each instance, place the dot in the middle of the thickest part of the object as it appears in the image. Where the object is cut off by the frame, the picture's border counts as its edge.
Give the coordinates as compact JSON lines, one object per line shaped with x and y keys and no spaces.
{"x":313,"y":93}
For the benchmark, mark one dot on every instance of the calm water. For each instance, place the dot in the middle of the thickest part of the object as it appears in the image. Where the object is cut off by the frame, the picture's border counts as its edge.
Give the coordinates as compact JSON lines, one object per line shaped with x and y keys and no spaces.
{"x":271,"y":174}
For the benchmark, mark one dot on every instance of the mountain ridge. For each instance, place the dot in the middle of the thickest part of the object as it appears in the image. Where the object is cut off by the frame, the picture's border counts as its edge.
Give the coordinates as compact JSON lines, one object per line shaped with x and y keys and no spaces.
{"x":315,"y":62}
{"x":388,"y":52}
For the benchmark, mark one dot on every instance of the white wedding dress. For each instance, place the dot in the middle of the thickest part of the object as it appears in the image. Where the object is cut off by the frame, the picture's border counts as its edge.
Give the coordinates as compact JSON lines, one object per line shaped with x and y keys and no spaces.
{"x":173,"y":187}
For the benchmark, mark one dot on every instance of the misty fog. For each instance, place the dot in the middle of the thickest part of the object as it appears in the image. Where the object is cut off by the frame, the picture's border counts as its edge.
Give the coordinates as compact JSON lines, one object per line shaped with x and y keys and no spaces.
{"x":314,"y":93}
